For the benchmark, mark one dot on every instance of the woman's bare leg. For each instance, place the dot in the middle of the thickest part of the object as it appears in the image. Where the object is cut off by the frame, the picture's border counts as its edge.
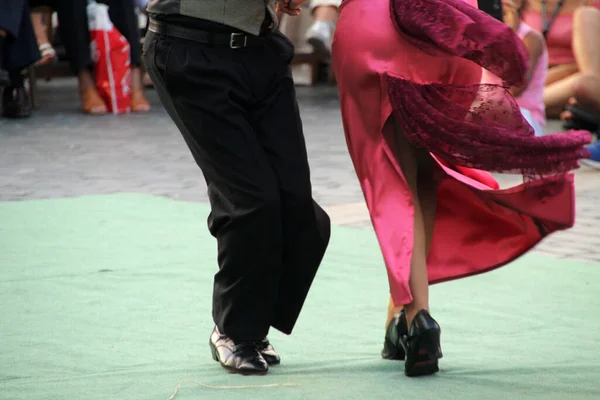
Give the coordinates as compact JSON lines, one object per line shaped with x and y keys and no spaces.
{"x":417,"y":167}
{"x":427,"y":188}
{"x":392,"y":310}
{"x":427,"y":194}
{"x":424,"y":191}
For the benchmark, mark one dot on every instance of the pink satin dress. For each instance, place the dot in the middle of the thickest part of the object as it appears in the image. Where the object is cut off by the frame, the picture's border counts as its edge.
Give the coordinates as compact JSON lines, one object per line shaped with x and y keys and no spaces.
{"x":420,"y":62}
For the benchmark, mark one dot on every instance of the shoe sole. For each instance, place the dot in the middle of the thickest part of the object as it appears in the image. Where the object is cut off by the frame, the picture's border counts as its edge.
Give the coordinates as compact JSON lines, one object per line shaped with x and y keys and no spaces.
{"x":591,"y":163}
{"x":215,"y":356}
{"x":426,"y":353}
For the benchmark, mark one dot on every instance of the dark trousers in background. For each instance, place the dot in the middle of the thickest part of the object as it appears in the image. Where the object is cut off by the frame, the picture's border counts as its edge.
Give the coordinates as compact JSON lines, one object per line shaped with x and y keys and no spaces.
{"x":20,"y":49}
{"x":74,"y":28}
{"x":237,"y":111}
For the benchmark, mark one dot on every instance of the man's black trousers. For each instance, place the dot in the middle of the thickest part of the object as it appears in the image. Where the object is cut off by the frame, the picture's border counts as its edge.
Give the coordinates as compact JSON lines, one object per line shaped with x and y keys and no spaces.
{"x":237,"y":111}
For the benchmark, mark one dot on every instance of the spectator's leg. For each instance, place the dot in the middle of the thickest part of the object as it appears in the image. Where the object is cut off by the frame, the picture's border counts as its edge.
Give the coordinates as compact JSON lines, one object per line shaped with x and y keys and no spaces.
{"x":583,"y":87}
{"x":75,"y":36}
{"x":122,"y":14}
{"x":320,"y":34}
{"x":41,"y":34}
{"x":561,"y":71}
{"x":325,"y":10}
{"x":557,"y":95}
{"x":586,"y":31}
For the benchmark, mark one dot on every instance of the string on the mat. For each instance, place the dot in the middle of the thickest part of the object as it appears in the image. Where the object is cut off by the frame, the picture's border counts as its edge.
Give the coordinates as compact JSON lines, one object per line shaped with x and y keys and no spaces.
{"x":270,"y":385}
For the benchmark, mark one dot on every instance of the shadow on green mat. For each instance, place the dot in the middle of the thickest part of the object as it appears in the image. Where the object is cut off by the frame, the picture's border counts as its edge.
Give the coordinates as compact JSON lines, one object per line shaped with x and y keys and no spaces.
{"x":108,"y":297}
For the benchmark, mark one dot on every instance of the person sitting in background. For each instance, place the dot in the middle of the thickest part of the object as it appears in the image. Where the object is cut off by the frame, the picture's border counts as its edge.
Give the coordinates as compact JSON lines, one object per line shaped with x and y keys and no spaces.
{"x":18,"y":50}
{"x":571,"y":29}
{"x":530,"y":97}
{"x":320,"y":34}
{"x":74,"y":34}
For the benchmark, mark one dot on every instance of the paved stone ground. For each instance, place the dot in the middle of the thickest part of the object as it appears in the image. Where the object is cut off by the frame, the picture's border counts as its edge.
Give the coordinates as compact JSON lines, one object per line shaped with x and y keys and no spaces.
{"x":60,"y":153}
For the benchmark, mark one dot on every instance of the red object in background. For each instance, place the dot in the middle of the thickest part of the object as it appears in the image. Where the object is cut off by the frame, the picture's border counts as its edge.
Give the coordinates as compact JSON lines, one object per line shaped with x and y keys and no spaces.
{"x":111,"y":55}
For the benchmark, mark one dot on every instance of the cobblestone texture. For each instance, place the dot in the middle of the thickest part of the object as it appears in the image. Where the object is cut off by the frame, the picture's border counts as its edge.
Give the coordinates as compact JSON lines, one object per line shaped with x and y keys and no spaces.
{"x":60,"y":153}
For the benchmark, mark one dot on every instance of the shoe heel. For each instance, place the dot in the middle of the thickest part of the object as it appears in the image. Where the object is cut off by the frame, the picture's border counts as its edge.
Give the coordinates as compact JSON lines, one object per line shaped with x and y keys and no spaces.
{"x":425,"y":351}
{"x":391,"y":351}
{"x":431,"y":343}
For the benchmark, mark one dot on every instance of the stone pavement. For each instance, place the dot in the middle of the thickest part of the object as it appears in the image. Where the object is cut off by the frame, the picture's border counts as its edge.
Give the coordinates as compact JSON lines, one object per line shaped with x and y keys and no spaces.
{"x":60,"y":153}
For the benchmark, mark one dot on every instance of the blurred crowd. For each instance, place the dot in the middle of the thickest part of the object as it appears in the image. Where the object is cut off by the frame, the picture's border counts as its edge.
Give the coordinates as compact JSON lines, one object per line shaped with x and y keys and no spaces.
{"x":560,"y":36}
{"x":29,"y":32}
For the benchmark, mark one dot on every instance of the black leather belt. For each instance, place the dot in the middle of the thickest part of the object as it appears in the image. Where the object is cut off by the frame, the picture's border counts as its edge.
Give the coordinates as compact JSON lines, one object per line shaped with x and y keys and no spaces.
{"x":234,"y":40}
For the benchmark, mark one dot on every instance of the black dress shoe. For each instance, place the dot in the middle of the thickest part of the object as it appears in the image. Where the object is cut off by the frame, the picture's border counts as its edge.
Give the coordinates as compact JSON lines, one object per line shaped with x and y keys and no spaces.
{"x":396,"y":330}
{"x":268,"y":352}
{"x":15,"y":103}
{"x":422,"y":346}
{"x":241,"y":358}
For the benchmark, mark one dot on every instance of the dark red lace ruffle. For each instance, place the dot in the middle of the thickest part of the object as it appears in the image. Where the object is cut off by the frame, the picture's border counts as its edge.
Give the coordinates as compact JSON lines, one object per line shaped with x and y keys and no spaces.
{"x":477,"y":126}
{"x":481,"y":126}
{"x":456,"y":28}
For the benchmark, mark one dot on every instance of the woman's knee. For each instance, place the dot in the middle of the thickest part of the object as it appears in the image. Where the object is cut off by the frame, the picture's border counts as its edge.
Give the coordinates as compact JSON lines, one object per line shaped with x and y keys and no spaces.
{"x":585,"y":87}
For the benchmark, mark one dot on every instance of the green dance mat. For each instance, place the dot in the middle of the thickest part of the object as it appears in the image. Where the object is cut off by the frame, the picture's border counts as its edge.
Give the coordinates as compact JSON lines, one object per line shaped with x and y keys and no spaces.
{"x":108,"y":297}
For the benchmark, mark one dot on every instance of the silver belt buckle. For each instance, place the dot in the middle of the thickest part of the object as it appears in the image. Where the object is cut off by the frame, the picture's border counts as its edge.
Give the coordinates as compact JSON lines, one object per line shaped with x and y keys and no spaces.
{"x":234,"y":39}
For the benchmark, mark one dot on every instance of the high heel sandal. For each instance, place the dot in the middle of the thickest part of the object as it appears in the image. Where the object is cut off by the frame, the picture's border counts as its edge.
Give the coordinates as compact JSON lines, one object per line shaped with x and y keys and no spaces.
{"x":397,"y":328}
{"x":422,"y":346}
{"x":48,"y":54}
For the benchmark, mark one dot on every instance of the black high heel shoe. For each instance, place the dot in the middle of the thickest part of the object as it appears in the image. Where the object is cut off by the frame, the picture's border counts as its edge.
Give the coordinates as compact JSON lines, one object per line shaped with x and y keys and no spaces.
{"x":397,"y":328}
{"x":422,"y":346}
